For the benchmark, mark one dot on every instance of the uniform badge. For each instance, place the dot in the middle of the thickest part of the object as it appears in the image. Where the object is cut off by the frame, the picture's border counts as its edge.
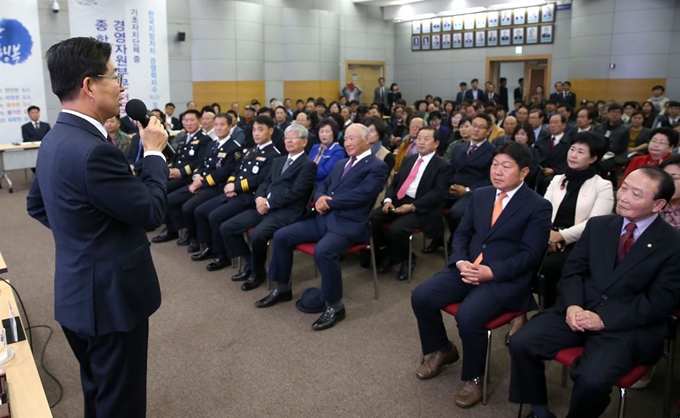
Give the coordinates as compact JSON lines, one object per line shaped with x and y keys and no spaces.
{"x":221,"y":154}
{"x":256,"y":169}
{"x":237,"y":156}
{"x":191,"y":153}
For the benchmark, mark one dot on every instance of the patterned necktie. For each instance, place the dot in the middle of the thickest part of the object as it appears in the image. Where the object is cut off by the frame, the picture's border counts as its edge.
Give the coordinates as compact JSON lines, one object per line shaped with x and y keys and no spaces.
{"x":322,"y":148}
{"x":473,"y":147}
{"x":552,"y":142}
{"x":497,"y":209}
{"x":348,"y":166}
{"x":626,"y":241}
{"x":409,"y":180}
{"x":286,"y":165}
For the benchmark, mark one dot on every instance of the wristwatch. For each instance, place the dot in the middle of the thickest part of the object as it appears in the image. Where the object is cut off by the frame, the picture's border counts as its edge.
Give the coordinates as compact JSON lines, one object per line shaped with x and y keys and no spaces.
{"x":467,"y":190}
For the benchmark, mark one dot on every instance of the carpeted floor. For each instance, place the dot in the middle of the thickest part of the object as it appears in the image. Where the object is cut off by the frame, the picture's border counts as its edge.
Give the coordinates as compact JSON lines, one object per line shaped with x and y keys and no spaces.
{"x":213,"y":354}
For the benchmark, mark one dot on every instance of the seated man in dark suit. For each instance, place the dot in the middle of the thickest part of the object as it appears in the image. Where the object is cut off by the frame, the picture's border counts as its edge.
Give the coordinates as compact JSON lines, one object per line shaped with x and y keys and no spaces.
{"x":471,"y":162}
{"x":343,"y":205}
{"x":414,"y":199}
{"x":239,"y":194}
{"x":505,"y":230}
{"x":279,"y":200}
{"x":554,"y":150}
{"x":618,"y":287}
{"x":207,"y":182}
{"x":34,"y":130}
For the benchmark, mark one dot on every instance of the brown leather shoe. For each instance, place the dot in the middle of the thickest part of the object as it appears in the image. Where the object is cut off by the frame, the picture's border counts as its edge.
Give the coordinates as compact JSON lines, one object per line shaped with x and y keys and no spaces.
{"x":471,"y":393}
{"x":432,"y":363}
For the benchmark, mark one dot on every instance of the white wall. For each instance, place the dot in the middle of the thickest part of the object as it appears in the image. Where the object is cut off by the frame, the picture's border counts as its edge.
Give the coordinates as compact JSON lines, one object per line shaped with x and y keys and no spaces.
{"x":513,"y":71}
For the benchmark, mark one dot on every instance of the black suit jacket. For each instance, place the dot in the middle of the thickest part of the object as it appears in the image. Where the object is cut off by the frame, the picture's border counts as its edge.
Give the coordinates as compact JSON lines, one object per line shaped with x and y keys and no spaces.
{"x":555,"y":158}
{"x":104,"y":279}
{"x":481,"y":96}
{"x":518,"y":93}
{"x":431,"y":193}
{"x":288,"y":193}
{"x":639,"y":292}
{"x":504,"y":98}
{"x":571,"y":99}
{"x":30,"y":134}
{"x":512,"y":248}
{"x":557,"y":97}
{"x":471,"y":171}
{"x":460,"y":97}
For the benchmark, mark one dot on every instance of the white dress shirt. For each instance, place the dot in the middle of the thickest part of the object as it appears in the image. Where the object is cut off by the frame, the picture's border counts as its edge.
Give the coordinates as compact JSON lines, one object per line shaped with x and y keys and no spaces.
{"x":413,"y":188}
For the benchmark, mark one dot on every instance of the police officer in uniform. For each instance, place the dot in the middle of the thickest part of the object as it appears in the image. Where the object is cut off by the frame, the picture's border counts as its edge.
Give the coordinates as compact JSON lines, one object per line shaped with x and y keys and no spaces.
{"x":206,"y":183}
{"x":239,"y":193}
{"x":190,"y":153}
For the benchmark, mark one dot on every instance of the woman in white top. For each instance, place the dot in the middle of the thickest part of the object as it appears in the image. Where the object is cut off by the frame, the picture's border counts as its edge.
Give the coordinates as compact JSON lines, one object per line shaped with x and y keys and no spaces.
{"x":576,"y":196}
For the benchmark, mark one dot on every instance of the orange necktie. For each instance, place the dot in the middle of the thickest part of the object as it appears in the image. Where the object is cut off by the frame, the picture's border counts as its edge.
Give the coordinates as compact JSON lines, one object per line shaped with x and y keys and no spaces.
{"x":497,"y":209}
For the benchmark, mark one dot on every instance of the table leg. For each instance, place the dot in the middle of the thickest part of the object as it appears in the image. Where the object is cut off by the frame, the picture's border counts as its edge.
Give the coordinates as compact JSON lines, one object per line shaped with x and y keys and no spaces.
{"x":9,"y":182}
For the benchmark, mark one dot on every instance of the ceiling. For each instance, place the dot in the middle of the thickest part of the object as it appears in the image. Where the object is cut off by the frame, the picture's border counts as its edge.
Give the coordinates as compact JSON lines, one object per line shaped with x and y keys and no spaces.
{"x":381,"y":3}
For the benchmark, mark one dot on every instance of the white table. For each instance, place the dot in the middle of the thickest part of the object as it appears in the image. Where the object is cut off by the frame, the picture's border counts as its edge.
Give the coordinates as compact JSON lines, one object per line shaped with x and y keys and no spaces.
{"x":17,"y":157}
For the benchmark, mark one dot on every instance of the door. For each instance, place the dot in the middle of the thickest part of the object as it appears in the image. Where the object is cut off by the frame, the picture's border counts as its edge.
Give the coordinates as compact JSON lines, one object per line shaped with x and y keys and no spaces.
{"x":364,"y":75}
{"x":536,"y":78}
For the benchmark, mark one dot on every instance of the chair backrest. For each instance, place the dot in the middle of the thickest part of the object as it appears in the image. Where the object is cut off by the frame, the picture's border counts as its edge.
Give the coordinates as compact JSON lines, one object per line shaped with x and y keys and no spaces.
{"x":538,"y":281}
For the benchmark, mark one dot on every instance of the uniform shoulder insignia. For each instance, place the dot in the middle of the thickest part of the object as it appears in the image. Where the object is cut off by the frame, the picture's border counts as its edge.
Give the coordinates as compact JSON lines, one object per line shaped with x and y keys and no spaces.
{"x":237,"y":155}
{"x":276,"y":150}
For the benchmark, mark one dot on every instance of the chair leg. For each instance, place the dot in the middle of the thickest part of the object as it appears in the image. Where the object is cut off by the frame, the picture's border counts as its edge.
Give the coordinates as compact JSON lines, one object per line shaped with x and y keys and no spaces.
{"x":446,"y":247}
{"x":565,"y":372}
{"x":375,"y":270}
{"x":410,"y":243}
{"x":485,"y":387}
{"x":269,"y":284}
{"x":668,"y":385}
{"x":622,"y":403}
{"x":239,"y":263}
{"x":519,"y":413}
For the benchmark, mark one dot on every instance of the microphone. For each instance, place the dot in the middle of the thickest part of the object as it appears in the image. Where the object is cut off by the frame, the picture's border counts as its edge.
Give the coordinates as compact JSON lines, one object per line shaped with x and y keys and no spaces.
{"x":136,"y":109}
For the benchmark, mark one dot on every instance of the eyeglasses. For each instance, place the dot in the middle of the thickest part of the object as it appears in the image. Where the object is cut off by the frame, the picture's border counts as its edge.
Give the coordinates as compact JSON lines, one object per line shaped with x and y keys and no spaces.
{"x":475,"y":126}
{"x":659,"y":142}
{"x":118,"y":77}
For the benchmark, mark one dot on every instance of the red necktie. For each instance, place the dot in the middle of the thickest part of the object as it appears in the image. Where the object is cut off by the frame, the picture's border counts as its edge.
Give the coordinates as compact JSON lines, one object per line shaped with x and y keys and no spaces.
{"x":472,"y":149}
{"x":552,"y":142}
{"x":409,"y":180}
{"x":626,"y":241}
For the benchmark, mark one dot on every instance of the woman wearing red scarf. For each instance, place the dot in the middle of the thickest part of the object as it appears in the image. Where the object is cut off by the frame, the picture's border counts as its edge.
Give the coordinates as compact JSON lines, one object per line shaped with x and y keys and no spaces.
{"x":662,"y":142}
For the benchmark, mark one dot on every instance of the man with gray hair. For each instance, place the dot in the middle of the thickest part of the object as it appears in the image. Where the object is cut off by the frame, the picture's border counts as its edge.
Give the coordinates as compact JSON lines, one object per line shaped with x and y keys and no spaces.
{"x":342,"y":207}
{"x":279,"y":201}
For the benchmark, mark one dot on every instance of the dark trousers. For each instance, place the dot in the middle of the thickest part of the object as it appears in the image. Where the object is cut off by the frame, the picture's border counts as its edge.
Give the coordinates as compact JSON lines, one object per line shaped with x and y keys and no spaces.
{"x":113,"y":371}
{"x":210,"y":215}
{"x":329,"y":247}
{"x":552,"y":271}
{"x":182,"y":204}
{"x":478,"y":306}
{"x":457,"y":211}
{"x":606,"y":358}
{"x":175,"y":184}
{"x":396,"y":237}
{"x":264,"y":228}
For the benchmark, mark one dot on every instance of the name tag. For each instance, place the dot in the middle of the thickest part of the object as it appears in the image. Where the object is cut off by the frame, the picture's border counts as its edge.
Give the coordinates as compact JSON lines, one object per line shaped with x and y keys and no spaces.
{"x":261,"y":159}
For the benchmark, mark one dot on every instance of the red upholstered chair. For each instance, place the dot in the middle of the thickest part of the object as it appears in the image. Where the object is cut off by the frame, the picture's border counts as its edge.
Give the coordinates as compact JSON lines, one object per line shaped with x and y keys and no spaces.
{"x":490,"y":326}
{"x":308,"y":248}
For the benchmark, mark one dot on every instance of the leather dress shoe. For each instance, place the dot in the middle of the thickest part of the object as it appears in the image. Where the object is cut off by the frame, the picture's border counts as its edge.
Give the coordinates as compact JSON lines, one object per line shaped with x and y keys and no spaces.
{"x":183,"y":241}
{"x":384,"y":264}
{"x":242,"y":276}
{"x":533,"y":415}
{"x":253,"y":282}
{"x":434,"y":362}
{"x":165,"y":236}
{"x":434,"y":246}
{"x":194,"y":246}
{"x":328,"y":319}
{"x":275,"y":297}
{"x":203,"y":255}
{"x":403,"y":270}
{"x":219,"y":263}
{"x":471,"y":393}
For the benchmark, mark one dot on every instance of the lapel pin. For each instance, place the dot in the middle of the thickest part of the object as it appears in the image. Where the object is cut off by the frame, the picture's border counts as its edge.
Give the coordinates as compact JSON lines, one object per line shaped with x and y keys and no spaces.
{"x":649,"y":245}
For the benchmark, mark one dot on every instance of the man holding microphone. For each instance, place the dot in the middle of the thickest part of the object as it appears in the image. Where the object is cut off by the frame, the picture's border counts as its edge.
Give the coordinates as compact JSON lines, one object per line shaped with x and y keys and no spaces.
{"x":106,"y":285}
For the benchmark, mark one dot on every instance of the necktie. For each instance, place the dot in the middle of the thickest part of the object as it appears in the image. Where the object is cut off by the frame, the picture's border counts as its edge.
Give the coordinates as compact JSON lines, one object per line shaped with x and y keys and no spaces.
{"x":382,"y":94}
{"x":472,"y":149}
{"x":564,"y":94}
{"x":409,"y":180}
{"x":552,"y":142}
{"x":319,"y":154}
{"x":348,"y":166}
{"x":626,"y":241}
{"x":411,"y":148}
{"x":286,"y":165}
{"x":497,"y":209}
{"x":37,"y":126}
{"x":490,"y":96}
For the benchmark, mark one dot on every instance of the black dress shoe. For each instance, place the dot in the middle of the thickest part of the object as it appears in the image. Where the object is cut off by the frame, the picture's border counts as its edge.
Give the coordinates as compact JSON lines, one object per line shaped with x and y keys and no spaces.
{"x":385,"y":264}
{"x":242,"y":276}
{"x":194,"y":247}
{"x":275,"y":297}
{"x":165,"y":236}
{"x":203,"y":255}
{"x":403,"y":270}
{"x":328,"y":319}
{"x":253,"y":282}
{"x":507,"y":339}
{"x":219,"y":263}
{"x":434,"y":246}
{"x":183,"y":241}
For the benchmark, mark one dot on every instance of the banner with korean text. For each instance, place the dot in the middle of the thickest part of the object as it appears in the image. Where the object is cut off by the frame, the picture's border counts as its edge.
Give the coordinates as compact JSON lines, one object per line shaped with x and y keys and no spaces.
{"x":21,"y":67}
{"x":138,"y":33}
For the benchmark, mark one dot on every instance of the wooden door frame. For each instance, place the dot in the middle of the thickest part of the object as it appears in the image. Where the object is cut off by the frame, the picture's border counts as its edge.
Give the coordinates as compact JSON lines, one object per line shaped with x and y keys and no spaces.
{"x":360,"y":62}
{"x":547,"y":58}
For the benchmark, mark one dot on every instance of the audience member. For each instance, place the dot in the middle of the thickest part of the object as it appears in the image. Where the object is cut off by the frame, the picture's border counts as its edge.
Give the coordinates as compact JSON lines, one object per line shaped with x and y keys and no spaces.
{"x":523,"y":134}
{"x":474,"y":93}
{"x":638,"y":134}
{"x":649,"y":112}
{"x":414,"y":199}
{"x":35,"y":130}
{"x":671,"y":212}
{"x":408,"y":143}
{"x":464,"y":134}
{"x":617,"y":289}
{"x":327,"y":152}
{"x":658,"y":99}
{"x":554,"y":150}
{"x":616,"y":135}
{"x":171,"y":123}
{"x":672,"y":115}
{"x":504,"y":230}
{"x":662,"y":142}
{"x":116,"y":136}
